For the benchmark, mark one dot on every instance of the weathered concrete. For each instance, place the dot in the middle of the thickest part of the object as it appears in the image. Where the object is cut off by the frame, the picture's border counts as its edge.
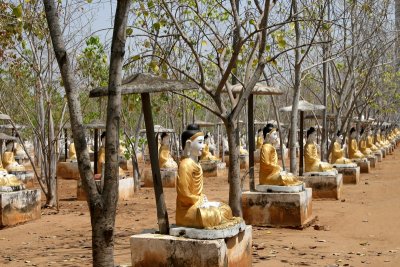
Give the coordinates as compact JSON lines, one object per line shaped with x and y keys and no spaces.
{"x":378,"y":155}
{"x":280,"y":189}
{"x":364,"y":165}
{"x":213,"y":168}
{"x":277,"y":209}
{"x":68,"y":170}
{"x":383,"y":150}
{"x":19,"y":206}
{"x":126,"y":189}
{"x":167,"y":250}
{"x":168,"y":177}
{"x":211,"y":234}
{"x":372,"y":161}
{"x":351,"y":174}
{"x":324,"y":186}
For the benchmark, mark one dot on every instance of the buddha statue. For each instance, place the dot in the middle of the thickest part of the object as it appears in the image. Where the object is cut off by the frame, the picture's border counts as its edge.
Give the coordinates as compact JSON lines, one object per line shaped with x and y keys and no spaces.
{"x":270,"y":172}
{"x":259,"y":139}
{"x":363,"y":144}
{"x":354,"y":153}
{"x":206,"y":154}
{"x":9,"y":180}
{"x":193,"y":209}
{"x":242,"y":150}
{"x":370,"y":143}
{"x":102,"y":157}
{"x":312,"y":160}
{"x":338,"y":153}
{"x":164,"y":155}
{"x":72,"y":152}
{"x":383,"y":137}
{"x":8,"y":159}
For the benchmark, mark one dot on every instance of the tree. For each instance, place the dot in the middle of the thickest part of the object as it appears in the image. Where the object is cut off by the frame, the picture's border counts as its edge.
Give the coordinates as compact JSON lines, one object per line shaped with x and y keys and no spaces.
{"x":102,"y":205}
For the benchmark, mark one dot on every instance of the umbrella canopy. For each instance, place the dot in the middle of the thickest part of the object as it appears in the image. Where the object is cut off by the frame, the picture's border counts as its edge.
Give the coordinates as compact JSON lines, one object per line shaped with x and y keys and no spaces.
{"x":95,"y":124}
{"x":304,"y":106}
{"x":146,"y":83}
{"x":159,"y":129}
{"x":4,"y":136}
{"x":261,"y":88}
{"x":10,"y":126}
{"x":4,"y":117}
{"x":205,"y":123}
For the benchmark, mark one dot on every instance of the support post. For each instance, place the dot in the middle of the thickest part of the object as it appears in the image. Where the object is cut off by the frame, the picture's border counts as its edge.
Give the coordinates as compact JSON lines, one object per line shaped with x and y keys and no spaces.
{"x":301,"y":167}
{"x":250,"y":137}
{"x":65,"y":144}
{"x":162,"y":215}
{"x":96,"y":150}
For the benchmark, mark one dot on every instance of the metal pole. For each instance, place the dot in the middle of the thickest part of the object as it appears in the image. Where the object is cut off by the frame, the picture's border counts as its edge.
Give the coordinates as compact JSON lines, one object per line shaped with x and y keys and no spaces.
{"x":301,"y":167}
{"x":250,"y":138}
{"x":65,"y":144}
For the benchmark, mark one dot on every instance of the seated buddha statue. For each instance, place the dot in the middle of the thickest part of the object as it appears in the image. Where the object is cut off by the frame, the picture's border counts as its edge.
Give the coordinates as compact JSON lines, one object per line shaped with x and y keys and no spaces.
{"x":354,"y":152}
{"x":205,"y":153}
{"x":9,"y":180}
{"x":377,"y":139}
{"x":242,"y":150}
{"x":363,"y":143}
{"x":312,"y":159}
{"x":259,"y":139}
{"x":102,"y":157}
{"x":338,"y":153}
{"x":370,"y":143}
{"x":165,"y":159}
{"x":72,"y":152}
{"x":8,"y":159}
{"x":384,"y":138}
{"x":193,"y":209}
{"x":270,"y":172}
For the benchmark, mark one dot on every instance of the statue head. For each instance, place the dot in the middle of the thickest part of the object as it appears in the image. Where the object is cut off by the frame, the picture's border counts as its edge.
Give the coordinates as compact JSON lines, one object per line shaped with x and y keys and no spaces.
{"x":207,"y":138}
{"x":192,"y":141}
{"x":9,"y":145}
{"x":103,"y":138}
{"x":165,"y":139}
{"x":362,"y":132}
{"x":270,"y":134}
{"x":311,"y":134}
{"x":353,"y":132}
{"x":260,"y":133}
{"x":339,"y":136}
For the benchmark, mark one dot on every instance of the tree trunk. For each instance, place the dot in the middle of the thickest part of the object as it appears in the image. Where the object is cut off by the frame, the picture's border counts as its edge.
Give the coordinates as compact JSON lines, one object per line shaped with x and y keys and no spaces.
{"x":235,"y":189}
{"x":397,"y":60}
{"x":51,"y":198}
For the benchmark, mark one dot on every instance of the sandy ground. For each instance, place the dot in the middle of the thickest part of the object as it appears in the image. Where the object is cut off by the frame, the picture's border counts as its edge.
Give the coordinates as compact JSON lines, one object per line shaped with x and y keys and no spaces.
{"x":361,"y":229}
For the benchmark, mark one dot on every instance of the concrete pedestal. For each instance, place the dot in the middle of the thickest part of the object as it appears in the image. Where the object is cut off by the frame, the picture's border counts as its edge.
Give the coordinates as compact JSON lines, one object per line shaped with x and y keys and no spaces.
{"x":213,"y":168}
{"x":168,"y":177}
{"x":243,"y":161}
{"x":383,"y":150}
{"x":365,"y":166}
{"x":324,"y":186}
{"x":68,"y":170}
{"x":285,"y":153}
{"x":166,"y":250}
{"x":19,"y":206}
{"x":24,"y":176}
{"x":277,"y":209}
{"x":126,"y":189}
{"x":257,"y":156}
{"x":378,"y":155}
{"x":372,"y":161}
{"x":351,"y":175}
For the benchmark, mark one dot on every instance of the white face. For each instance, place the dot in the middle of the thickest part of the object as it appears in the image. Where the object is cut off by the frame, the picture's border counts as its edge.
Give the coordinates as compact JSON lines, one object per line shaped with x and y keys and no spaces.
{"x":353,"y":134}
{"x":260,"y":134}
{"x":273,"y":137}
{"x":197,"y":146}
{"x":339,"y":138}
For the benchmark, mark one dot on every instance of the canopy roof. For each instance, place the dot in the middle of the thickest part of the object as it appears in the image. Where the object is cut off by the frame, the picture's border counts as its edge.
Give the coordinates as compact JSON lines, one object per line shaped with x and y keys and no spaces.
{"x":4,"y":136}
{"x":146,"y":83}
{"x":4,"y":117}
{"x":205,"y":123}
{"x":261,"y":88}
{"x":304,"y":106}
{"x":10,"y":126}
{"x":159,"y":129}
{"x":95,"y":124}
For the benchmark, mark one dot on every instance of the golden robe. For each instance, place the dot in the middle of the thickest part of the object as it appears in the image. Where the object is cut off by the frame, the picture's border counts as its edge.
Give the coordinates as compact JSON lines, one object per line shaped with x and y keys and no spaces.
{"x":370,"y":144}
{"x":270,"y":171}
{"x":165,"y":159}
{"x":9,"y":162}
{"x":190,"y":197}
{"x":338,"y":156}
{"x":102,"y":159}
{"x":72,"y":152}
{"x":354,"y":153}
{"x":206,"y":154}
{"x":260,"y":142}
{"x":312,"y":160}
{"x":364,"y":148}
{"x":10,"y":180}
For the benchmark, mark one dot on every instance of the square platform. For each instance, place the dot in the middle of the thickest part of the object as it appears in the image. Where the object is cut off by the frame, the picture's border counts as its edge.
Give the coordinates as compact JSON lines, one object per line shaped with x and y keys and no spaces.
{"x":324,"y":186}
{"x":167,"y":250}
{"x":19,"y":206}
{"x":277,"y":209}
{"x":351,"y":175}
{"x":126,"y":189}
{"x":378,"y":155}
{"x":365,"y":166}
{"x":168,"y":177}
{"x":372,"y":161}
{"x":213,"y":168}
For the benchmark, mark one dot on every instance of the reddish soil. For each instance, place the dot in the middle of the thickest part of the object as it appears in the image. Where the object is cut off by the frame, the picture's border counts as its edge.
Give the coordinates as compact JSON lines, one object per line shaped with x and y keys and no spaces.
{"x":361,"y":229}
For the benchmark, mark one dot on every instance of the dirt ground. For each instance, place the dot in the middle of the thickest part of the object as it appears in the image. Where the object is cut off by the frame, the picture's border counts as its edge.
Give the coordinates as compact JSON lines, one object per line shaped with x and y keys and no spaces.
{"x":361,"y":229}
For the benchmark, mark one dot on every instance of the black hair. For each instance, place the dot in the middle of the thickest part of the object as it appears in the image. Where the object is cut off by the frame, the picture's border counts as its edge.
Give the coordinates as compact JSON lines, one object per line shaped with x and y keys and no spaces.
{"x":310,"y":131}
{"x":352,"y":130}
{"x":338,"y":133}
{"x":206,"y":136}
{"x":191,"y":130}
{"x":164,"y":134}
{"x":267,"y":129}
{"x":103,"y":134}
{"x":259,"y":130}
{"x":362,"y":131}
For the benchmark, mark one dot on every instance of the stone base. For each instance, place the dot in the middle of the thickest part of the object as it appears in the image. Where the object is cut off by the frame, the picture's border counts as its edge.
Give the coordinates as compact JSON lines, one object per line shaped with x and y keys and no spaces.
{"x":277,"y":209}
{"x":285,"y":153}
{"x":324,"y":186}
{"x":166,"y":250}
{"x":280,"y":188}
{"x":68,"y":170}
{"x":126,"y":189}
{"x":19,"y":206}
{"x":257,"y":156}
{"x":26,"y":177}
{"x":383,"y":150}
{"x":207,"y":234}
{"x":372,"y":161}
{"x":243,"y":161}
{"x":213,"y":168}
{"x":365,"y":166}
{"x":351,"y":175}
{"x":378,"y":155}
{"x":168,"y":177}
